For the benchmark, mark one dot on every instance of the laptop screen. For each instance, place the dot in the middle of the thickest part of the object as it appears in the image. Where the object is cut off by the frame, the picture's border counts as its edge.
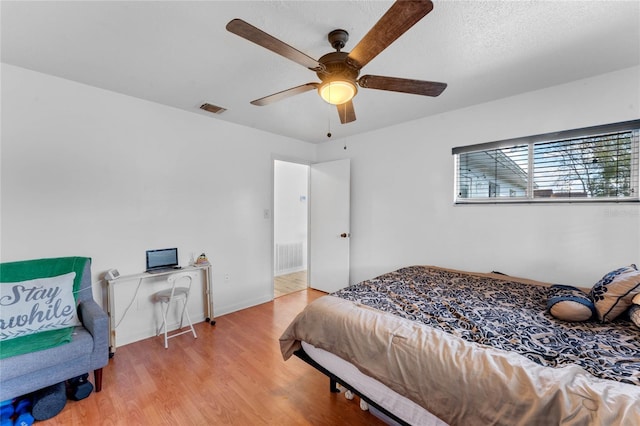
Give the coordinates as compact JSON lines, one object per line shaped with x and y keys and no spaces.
{"x":162,"y":258}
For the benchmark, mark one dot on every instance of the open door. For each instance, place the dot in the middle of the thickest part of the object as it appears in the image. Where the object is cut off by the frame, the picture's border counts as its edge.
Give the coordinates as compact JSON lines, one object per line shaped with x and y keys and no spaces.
{"x":329,"y":230}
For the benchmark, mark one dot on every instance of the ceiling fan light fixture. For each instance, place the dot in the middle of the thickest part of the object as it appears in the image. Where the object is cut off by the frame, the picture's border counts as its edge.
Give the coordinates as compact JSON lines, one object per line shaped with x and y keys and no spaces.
{"x":337,"y":92}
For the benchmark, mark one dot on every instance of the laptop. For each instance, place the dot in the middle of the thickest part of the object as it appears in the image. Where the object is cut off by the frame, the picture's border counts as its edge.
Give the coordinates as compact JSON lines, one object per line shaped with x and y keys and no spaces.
{"x":162,"y":260}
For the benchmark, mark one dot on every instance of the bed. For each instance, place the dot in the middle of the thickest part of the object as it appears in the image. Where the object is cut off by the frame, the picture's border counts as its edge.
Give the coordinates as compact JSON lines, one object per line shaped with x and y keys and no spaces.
{"x":435,"y":346}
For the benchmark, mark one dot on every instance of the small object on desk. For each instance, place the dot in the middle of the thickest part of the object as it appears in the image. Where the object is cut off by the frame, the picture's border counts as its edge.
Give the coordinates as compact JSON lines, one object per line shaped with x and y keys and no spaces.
{"x":112,"y":274}
{"x":202,"y":260}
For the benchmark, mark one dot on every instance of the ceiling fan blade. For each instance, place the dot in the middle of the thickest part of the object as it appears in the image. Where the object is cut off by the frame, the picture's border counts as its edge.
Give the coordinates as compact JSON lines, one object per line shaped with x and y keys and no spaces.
{"x":259,"y":37}
{"x":401,"y":16}
{"x":405,"y":85}
{"x":346,"y":112}
{"x":284,"y":94}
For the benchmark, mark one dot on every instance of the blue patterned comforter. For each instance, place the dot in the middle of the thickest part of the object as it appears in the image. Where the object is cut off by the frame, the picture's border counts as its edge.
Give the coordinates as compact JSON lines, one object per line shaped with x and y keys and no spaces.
{"x":505,"y":314}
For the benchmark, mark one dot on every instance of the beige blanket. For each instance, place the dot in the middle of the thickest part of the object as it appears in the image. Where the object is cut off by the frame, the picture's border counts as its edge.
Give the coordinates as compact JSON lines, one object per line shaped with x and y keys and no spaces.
{"x":461,"y":382}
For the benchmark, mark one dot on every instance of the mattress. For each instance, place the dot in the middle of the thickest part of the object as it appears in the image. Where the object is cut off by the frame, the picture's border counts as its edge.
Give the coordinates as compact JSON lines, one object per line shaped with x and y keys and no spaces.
{"x":400,"y":406}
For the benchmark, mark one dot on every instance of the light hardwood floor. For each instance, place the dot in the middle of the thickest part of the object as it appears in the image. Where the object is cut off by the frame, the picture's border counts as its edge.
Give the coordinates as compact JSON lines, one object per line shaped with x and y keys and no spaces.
{"x":232,"y":374}
{"x":285,"y":284}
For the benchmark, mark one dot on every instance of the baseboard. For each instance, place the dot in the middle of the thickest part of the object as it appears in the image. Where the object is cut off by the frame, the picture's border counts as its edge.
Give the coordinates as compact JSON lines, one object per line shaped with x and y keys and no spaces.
{"x":227,"y":309}
{"x":290,"y":271}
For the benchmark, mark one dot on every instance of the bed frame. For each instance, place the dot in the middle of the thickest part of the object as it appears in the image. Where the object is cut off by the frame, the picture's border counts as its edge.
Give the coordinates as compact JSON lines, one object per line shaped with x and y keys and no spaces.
{"x":335,"y":380}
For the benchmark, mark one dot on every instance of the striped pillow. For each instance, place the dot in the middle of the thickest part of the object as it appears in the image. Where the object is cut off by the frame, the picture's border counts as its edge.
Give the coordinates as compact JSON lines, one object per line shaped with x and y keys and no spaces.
{"x":614,"y":293}
{"x":634,"y":314}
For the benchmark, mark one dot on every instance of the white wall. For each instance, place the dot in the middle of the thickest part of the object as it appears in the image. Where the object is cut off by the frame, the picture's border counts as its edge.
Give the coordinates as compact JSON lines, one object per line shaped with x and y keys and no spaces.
{"x":94,"y":173}
{"x":91,"y":172}
{"x":402,"y":192}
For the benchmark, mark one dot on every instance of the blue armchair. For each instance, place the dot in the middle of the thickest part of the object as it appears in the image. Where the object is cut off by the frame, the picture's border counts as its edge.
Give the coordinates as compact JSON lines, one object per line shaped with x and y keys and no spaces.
{"x":87,"y":351}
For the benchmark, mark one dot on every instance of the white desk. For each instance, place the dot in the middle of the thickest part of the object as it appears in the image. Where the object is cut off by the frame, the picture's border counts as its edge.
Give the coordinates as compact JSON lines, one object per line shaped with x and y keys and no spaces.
{"x":129,"y":303}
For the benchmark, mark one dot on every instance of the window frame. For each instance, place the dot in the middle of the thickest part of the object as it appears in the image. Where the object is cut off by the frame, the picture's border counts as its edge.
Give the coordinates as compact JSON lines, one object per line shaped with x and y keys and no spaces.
{"x":530,"y":141}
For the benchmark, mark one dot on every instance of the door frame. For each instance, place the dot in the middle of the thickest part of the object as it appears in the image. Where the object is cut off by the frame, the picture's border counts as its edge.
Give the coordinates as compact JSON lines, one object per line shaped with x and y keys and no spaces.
{"x":295,"y":160}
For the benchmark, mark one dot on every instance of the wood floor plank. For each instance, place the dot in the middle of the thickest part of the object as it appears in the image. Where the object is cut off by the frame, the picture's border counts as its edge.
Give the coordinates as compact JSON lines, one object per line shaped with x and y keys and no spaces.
{"x":232,"y":374}
{"x":288,"y":283}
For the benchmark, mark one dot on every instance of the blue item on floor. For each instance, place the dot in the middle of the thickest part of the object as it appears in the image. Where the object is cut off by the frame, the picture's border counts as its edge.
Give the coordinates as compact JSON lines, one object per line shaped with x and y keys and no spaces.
{"x":22,"y":405}
{"x":6,"y":410}
{"x":24,"y":419}
{"x":16,"y":412}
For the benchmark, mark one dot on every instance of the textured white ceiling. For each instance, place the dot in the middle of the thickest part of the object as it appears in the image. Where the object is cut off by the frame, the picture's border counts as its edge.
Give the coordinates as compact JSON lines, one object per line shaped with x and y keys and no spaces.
{"x":179,"y":53}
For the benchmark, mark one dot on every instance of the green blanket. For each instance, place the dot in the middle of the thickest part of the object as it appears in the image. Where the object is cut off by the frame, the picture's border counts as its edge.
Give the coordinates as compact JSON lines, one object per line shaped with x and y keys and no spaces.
{"x":40,"y":268}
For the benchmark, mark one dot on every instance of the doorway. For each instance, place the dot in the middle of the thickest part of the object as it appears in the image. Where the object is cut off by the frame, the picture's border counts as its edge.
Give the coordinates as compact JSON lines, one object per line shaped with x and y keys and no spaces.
{"x":290,"y":227}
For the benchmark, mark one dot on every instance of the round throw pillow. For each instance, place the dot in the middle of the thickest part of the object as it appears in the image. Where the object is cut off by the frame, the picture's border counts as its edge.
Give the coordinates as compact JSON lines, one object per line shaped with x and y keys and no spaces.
{"x":569,"y":303}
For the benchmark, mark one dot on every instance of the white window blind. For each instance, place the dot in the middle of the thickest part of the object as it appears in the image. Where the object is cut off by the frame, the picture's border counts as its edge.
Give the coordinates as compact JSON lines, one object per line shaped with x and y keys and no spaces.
{"x":592,"y":164}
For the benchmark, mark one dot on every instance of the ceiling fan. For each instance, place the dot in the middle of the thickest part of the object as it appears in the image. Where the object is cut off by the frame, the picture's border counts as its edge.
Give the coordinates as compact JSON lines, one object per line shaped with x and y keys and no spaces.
{"x":338,"y":71}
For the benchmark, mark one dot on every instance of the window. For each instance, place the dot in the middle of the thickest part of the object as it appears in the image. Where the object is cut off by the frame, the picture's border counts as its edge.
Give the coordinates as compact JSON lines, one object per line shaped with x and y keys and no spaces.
{"x":592,"y":164}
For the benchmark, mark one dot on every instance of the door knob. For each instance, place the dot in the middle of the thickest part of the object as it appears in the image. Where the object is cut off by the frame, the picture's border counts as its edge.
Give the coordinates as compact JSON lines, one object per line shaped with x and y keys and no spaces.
{"x":345,"y":235}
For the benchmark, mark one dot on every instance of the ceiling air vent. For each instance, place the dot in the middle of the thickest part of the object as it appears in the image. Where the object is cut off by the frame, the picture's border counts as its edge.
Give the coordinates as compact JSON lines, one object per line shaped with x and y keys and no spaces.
{"x":212,"y":108}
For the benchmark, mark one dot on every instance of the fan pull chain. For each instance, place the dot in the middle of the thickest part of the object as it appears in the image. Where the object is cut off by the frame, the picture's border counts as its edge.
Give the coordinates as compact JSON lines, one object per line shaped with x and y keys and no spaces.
{"x":345,"y":120}
{"x":329,"y":115}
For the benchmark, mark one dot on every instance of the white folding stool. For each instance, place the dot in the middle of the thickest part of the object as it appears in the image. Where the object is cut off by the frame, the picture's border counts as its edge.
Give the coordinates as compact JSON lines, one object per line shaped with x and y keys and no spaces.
{"x":179,"y":291}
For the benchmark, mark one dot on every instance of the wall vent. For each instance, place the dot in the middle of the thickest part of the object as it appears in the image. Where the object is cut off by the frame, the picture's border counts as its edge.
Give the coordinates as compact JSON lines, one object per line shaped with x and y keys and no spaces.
{"x":212,"y":108}
{"x":289,"y":258}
